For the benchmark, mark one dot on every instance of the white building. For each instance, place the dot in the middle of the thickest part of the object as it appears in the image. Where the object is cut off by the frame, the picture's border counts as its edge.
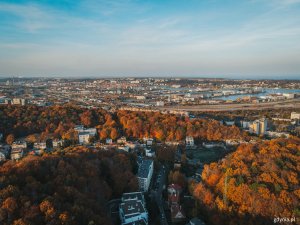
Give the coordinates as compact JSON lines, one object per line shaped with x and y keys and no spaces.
{"x":84,"y":137}
{"x":16,"y":153}
{"x":133,"y":210}
{"x":277,"y":134}
{"x":149,"y":152}
{"x":295,"y":116}
{"x":19,"y":144}
{"x":19,"y":101}
{"x":40,"y":145}
{"x":57,"y":143}
{"x":85,"y":134}
{"x":144,"y":175}
{"x":289,"y":95}
{"x":121,"y":140}
{"x":160,"y":103}
{"x":140,"y":97}
{"x":189,"y":141}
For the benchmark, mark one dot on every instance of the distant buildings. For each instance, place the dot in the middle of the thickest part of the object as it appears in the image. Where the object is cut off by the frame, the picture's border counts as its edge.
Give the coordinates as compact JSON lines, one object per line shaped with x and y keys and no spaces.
{"x":141,"y":97}
{"x":19,"y":101}
{"x":295,"y":116}
{"x":289,"y":95}
{"x":160,"y":103}
{"x":258,"y":127}
{"x":145,"y":172}
{"x":133,"y":209}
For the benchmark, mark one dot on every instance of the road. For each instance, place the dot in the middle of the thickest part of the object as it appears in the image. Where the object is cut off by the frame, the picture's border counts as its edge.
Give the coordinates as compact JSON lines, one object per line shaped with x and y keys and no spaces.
{"x":289,"y":103}
{"x":158,"y":189}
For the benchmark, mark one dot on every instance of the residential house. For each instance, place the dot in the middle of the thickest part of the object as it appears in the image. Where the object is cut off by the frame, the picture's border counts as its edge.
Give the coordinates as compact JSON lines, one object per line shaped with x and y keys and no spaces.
{"x":16,"y":153}
{"x":174,"y":191}
{"x":177,"y":213}
{"x":85,"y":134}
{"x":39,"y":147}
{"x":57,"y":143}
{"x":109,"y":141}
{"x":19,"y":144}
{"x":121,"y":140}
{"x":84,"y":137}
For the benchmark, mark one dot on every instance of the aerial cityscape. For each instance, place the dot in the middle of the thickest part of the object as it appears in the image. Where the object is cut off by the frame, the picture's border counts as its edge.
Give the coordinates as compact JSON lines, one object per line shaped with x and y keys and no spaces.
{"x":131,"y":112}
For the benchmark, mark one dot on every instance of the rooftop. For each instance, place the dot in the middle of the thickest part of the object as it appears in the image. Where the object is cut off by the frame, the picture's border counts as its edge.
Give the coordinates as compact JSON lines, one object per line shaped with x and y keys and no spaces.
{"x":132,"y":207}
{"x":144,"y":168}
{"x":133,"y":196}
{"x":138,"y":222}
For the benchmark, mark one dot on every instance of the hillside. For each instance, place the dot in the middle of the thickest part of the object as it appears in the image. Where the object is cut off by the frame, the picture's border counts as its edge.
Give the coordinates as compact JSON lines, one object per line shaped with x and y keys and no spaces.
{"x":261,"y":182}
{"x":64,"y":189}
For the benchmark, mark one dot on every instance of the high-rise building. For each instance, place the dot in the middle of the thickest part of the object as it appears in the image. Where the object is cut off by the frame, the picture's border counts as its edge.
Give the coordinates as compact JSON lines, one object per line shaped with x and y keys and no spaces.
{"x":258,"y":127}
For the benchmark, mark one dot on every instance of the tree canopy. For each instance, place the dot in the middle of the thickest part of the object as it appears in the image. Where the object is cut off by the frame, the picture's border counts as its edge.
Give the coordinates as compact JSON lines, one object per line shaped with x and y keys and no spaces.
{"x":72,"y":188}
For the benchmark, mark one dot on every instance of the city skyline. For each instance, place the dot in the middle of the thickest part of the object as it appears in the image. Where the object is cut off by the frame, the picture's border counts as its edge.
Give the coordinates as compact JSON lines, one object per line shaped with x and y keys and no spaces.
{"x":253,"y":39}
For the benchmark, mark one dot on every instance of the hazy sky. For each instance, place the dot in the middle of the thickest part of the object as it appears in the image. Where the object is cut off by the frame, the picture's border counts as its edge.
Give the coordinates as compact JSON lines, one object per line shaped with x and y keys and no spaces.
{"x":150,"y":38}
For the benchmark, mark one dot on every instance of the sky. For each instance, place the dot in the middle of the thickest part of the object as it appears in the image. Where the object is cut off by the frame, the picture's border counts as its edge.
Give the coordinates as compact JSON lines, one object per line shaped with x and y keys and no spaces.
{"x":148,"y":38}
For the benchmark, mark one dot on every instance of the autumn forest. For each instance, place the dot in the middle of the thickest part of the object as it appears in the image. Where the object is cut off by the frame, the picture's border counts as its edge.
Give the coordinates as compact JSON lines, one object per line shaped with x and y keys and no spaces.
{"x":251,"y":185}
